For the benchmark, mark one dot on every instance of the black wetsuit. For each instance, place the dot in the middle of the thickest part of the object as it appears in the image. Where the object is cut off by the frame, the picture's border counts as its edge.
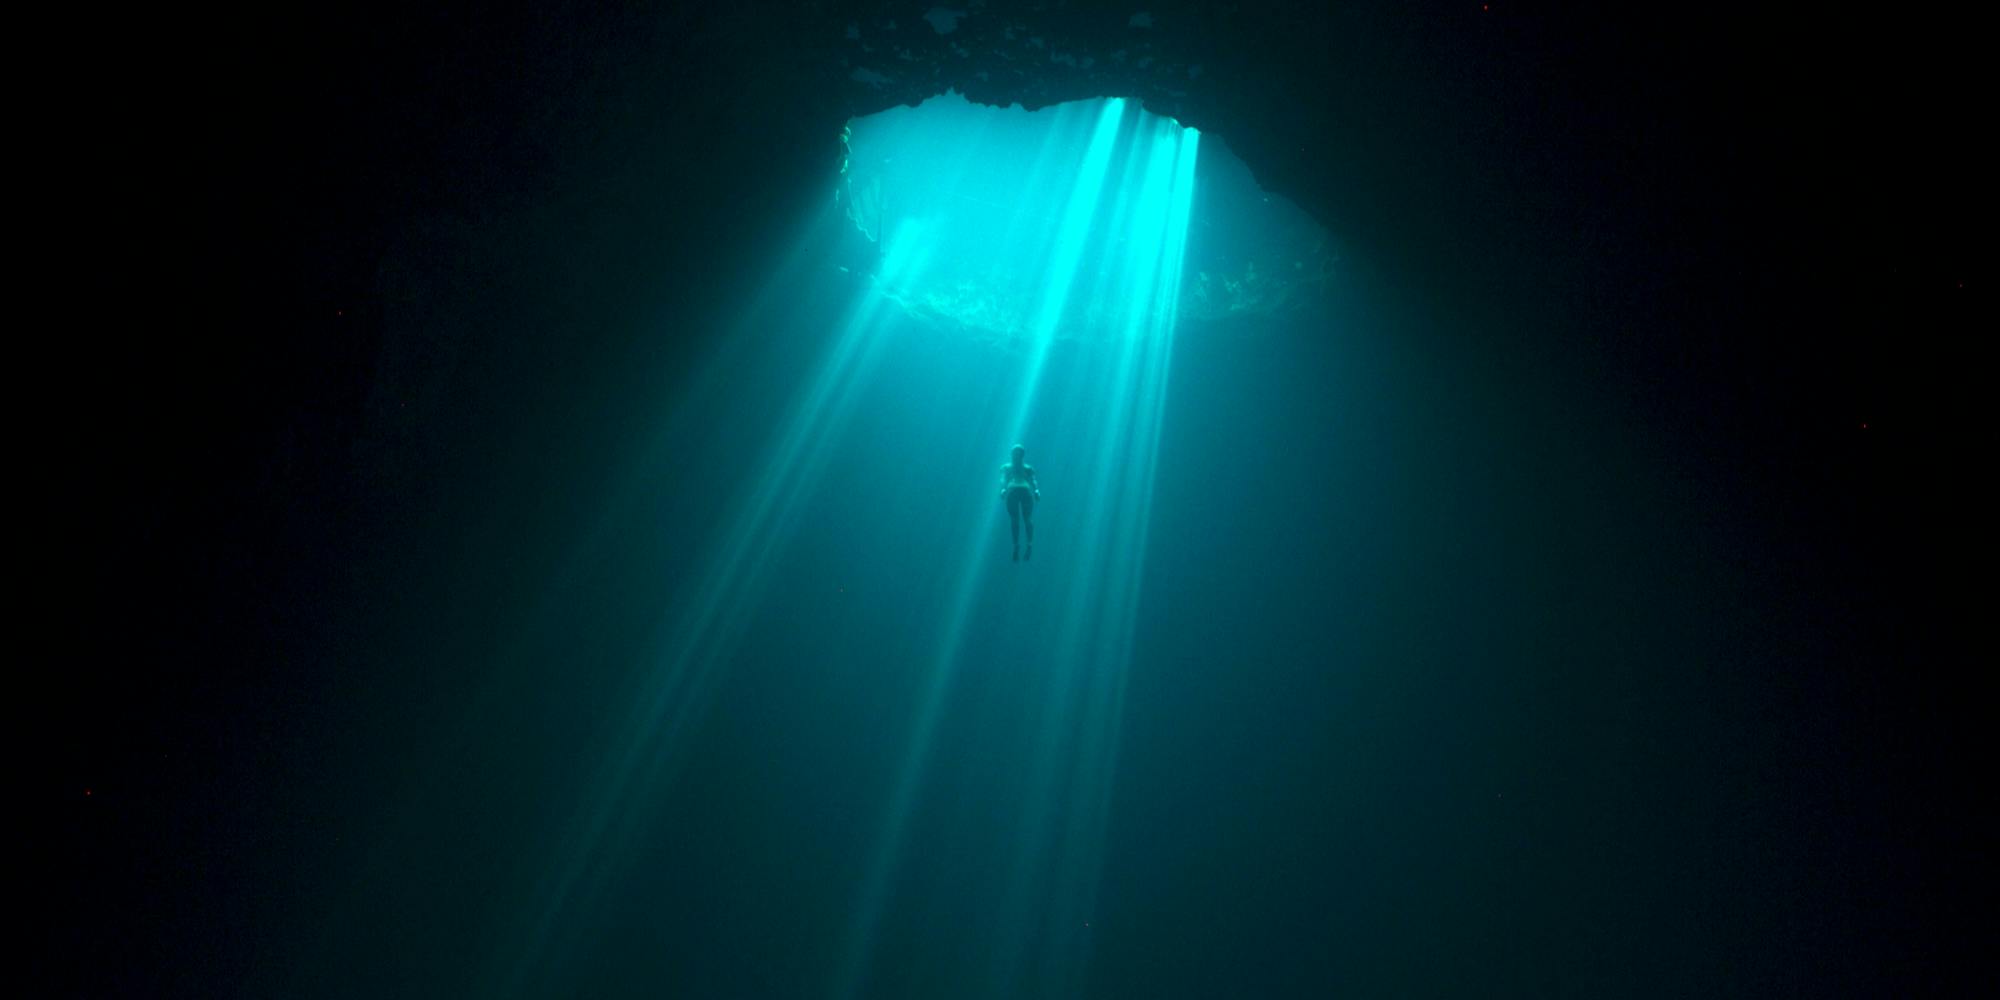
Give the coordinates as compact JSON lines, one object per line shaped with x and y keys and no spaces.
{"x":1021,"y":504}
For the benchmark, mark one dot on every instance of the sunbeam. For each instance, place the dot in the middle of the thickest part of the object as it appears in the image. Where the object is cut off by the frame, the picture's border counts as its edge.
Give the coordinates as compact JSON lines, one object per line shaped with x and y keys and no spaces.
{"x":701,"y":637}
{"x":1111,"y":413}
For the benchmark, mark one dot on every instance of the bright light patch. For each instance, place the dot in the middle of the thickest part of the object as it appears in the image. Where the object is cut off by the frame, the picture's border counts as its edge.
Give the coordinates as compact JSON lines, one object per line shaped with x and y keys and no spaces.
{"x":1039,"y":216}
{"x":1027,"y":246}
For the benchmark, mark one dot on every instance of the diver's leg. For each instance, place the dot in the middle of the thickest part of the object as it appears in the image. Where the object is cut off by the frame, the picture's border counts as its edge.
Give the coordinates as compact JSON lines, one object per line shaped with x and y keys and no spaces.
{"x":1028,"y":515}
{"x":1014,"y":522}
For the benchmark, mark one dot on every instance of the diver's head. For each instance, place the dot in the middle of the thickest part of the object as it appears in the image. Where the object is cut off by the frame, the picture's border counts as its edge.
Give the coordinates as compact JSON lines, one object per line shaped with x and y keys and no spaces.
{"x":1019,"y":452}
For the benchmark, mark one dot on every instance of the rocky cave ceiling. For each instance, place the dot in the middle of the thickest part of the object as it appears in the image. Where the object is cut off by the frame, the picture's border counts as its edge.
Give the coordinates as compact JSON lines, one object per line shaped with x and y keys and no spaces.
{"x":1037,"y":55}
{"x":1341,"y":108}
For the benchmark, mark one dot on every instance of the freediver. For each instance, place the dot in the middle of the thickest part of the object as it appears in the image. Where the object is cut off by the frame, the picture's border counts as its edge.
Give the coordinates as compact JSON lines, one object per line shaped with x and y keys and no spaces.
{"x":1019,"y":489}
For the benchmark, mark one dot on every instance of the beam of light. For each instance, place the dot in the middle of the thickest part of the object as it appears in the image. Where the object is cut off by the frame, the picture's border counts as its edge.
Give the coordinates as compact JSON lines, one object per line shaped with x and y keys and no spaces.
{"x":1061,"y":249}
{"x":690,"y":399}
{"x":1070,"y":241}
{"x":1135,"y":449}
{"x":648,"y":744}
{"x":1058,"y":841}
{"x":1043,"y":946}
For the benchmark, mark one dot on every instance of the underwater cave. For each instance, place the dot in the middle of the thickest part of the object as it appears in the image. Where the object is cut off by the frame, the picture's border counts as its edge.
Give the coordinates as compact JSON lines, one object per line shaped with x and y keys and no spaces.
{"x":876,"y":499}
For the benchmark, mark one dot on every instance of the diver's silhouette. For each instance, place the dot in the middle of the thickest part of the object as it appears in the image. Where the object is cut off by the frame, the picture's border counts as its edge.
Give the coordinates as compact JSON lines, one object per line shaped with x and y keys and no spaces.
{"x":1018,"y":486}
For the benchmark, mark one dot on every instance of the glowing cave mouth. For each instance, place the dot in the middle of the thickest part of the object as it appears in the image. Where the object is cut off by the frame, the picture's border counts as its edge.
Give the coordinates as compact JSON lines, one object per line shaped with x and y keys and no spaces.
{"x":1087,"y":220}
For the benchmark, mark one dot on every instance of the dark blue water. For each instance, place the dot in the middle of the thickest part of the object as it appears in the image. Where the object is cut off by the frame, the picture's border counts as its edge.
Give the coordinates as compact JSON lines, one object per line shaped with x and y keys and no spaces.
{"x":1393,"y":675}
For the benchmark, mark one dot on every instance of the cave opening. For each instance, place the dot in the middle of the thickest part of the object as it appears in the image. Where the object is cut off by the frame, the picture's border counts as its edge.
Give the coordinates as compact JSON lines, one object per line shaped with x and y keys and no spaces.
{"x":1070,"y":222}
